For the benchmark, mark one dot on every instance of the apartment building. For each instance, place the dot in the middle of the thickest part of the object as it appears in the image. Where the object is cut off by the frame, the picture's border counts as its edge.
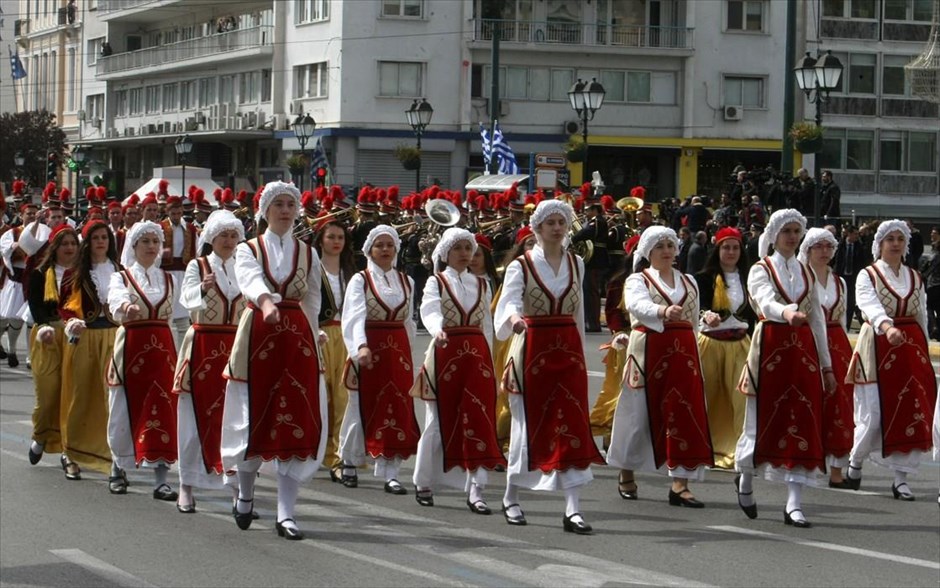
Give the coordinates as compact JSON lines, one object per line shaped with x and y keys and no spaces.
{"x":694,"y":87}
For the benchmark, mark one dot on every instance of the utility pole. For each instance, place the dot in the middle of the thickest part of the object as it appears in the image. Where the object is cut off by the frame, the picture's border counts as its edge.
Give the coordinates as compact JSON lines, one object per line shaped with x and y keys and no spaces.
{"x":494,"y":94}
{"x":786,"y":156}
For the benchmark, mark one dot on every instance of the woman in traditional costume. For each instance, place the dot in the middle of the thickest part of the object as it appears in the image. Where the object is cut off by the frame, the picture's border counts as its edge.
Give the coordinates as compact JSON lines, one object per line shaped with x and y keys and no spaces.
{"x":542,"y":308}
{"x":334,"y":245}
{"x":90,"y":332}
{"x":817,"y":250}
{"x":142,"y":418}
{"x":47,"y":286}
{"x":211,"y":295}
{"x":660,"y":423}
{"x":895,"y":385}
{"x":457,"y":381}
{"x":723,"y":348}
{"x":787,"y":371}
{"x":379,"y":332}
{"x":275,"y":399}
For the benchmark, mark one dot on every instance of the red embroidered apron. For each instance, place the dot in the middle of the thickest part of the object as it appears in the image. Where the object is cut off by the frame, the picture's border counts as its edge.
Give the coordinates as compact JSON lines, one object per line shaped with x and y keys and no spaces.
{"x":839,"y":405}
{"x":212,"y":345}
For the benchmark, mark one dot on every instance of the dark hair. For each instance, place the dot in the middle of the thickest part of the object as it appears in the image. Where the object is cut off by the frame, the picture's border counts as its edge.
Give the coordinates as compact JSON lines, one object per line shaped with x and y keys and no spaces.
{"x":490,"y":265}
{"x":517,"y":250}
{"x":347,"y":263}
{"x":48,"y":259}
{"x":642,"y":265}
{"x":624,"y":271}
{"x":81,"y":277}
{"x":713,"y":263}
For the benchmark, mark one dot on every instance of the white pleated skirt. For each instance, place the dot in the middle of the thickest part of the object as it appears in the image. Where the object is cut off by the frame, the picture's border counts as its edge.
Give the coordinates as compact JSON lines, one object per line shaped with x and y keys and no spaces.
{"x":352,"y":441}
{"x":192,"y":468}
{"x":429,"y":462}
{"x":120,"y":439}
{"x":867,"y":442}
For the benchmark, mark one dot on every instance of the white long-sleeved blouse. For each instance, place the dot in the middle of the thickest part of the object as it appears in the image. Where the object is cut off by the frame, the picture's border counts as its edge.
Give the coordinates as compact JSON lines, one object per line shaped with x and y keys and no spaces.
{"x":191,"y":291}
{"x":390,"y":291}
{"x":149,"y":279}
{"x":867,"y":299}
{"x":636,"y":297}
{"x":465,"y":287}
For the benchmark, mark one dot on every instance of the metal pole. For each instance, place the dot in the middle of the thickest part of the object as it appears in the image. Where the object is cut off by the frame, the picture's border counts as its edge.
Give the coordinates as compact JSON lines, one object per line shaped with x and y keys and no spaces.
{"x":786,"y":156}
{"x":584,"y":136}
{"x":817,"y":168}
{"x":183,"y":159}
{"x":418,"y":171}
{"x":494,"y":93}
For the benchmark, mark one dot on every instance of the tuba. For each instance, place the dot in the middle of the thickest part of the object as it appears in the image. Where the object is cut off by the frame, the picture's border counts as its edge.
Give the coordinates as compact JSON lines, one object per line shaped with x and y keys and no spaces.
{"x":629,"y":205}
{"x":442,"y":214}
{"x":583,"y":249}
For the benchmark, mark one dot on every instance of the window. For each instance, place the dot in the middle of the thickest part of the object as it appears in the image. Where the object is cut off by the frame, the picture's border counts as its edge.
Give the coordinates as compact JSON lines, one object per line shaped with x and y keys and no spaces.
{"x":615,"y":83}
{"x":188,"y":95}
{"x":893,"y":80}
{"x":265,"y":85}
{"x":311,"y":10}
{"x":745,"y":15}
{"x":120,"y":103}
{"x":402,"y":8}
{"x":93,"y":50}
{"x":833,"y":8}
{"x":226,"y":89}
{"x":914,"y":10}
{"x":171,"y":97}
{"x":861,"y":73}
{"x":310,"y":81}
{"x":923,"y":152}
{"x":638,"y":86}
{"x":248,"y":83}
{"x":135,"y":101}
{"x":562,"y":80}
{"x":206,"y":90}
{"x":73,"y":85}
{"x":903,"y":151}
{"x":864,"y":9}
{"x":892,"y":153}
{"x":744,"y":91}
{"x":152,"y":95}
{"x":540,"y":83}
{"x":400,"y":79}
{"x":858,"y":150}
{"x":94,"y":107}
{"x":517,"y":82}
{"x":922,"y":10}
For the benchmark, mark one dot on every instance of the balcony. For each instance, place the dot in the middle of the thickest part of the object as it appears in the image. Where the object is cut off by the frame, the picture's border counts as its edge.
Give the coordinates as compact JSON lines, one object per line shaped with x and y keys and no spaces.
{"x":561,"y":33}
{"x":191,"y":53}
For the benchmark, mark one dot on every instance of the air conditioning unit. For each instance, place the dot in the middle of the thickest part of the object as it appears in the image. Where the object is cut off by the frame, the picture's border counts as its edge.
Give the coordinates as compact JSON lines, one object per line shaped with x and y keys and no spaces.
{"x":191,"y":124}
{"x":277,"y":121}
{"x":200,"y":117}
{"x":96,"y":122}
{"x":213,"y":123}
{"x":734,"y":113}
{"x":261,"y":119}
{"x":504,"y":108}
{"x":252,"y":120}
{"x":572,"y":127}
{"x":239,"y":122}
{"x":81,"y":115}
{"x":168,"y":127}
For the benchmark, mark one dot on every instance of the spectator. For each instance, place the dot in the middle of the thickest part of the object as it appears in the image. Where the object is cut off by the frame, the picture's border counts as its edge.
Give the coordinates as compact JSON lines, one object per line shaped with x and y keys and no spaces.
{"x":932,"y":283}
{"x":916,"y":246}
{"x":685,"y":243}
{"x":752,"y":242}
{"x":850,"y":259}
{"x":697,"y":215}
{"x":832,"y":229}
{"x":71,"y":11}
{"x":106,"y":49}
{"x":806,"y":192}
{"x":726,"y":215}
{"x":698,"y":253}
{"x":829,"y":196}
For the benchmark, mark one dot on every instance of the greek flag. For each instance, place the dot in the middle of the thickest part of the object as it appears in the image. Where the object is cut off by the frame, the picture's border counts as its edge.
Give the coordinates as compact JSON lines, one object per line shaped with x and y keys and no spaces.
{"x":17,"y":71}
{"x":319,"y":160}
{"x":504,"y":155}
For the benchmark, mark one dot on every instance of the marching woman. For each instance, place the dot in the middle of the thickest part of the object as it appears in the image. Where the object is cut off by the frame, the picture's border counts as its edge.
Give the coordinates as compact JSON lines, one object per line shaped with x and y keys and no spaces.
{"x":816,"y":251}
{"x":660,"y":423}
{"x":210,"y":293}
{"x":90,"y":332}
{"x":379,"y":332}
{"x":334,"y":245}
{"x":787,"y":370}
{"x":142,"y":420}
{"x":457,"y":381}
{"x":895,"y":386}
{"x":542,"y":308}
{"x":275,"y":399}
{"x":723,"y":348}
{"x":46,"y":284}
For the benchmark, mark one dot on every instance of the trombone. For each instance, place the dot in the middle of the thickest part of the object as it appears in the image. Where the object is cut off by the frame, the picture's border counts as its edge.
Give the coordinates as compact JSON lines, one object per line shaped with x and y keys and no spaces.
{"x":494,"y":223}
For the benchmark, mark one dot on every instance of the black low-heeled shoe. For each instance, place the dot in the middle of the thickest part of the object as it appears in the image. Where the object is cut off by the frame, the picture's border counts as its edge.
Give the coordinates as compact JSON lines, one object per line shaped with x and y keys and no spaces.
{"x":750,"y":511}
{"x":13,"y":361}
{"x":676,"y":499}
{"x":165,"y":493}
{"x":71,"y":469}
{"x":853,"y":483}
{"x":33,"y":456}
{"x":424,"y":497}
{"x":188,"y":508}
{"x":798,"y":523}
{"x":336,"y":475}
{"x":479,"y":507}
{"x":350,"y":480}
{"x":579,"y":528}
{"x":628,"y":494}
{"x":243,"y":519}
{"x":289,"y":533}
{"x":514,"y":520}
{"x":118,"y":484}
{"x":905,"y":495}
{"x":843,"y":485}
{"x":394,"y":487}
{"x":254,"y":514}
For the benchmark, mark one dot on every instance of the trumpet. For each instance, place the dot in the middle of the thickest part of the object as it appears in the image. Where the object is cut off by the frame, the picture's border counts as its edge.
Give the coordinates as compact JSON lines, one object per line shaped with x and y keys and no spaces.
{"x":345,"y":214}
{"x":494,"y":223}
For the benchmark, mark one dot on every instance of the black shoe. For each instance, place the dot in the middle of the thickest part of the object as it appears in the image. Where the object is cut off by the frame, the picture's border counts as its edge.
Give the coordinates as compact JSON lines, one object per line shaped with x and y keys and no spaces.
{"x":289,"y":533}
{"x":906,"y":495}
{"x":33,"y":456}
{"x":336,"y":474}
{"x":188,"y":508}
{"x":479,"y":507}
{"x":422,"y":497}
{"x":843,"y":485}
{"x":750,"y":511}
{"x":350,"y":480}
{"x":164,"y":492}
{"x":519,"y":520}
{"x":71,"y":469}
{"x":12,"y":360}
{"x":853,"y":483}
{"x":243,"y":520}
{"x":627,"y":494}
{"x":118,"y":484}
{"x":676,"y":499}
{"x":3,"y":353}
{"x":798,"y":523}
{"x":579,"y":528}
{"x":394,"y":487}
{"x":254,"y":514}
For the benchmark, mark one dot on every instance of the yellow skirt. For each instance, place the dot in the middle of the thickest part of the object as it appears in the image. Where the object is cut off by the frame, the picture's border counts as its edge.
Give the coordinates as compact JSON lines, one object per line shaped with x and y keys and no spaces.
{"x":722,"y":364}
{"x":503,"y":416}
{"x":85,"y":399}
{"x":602,"y":415}
{"x":334,"y":359}
{"x":46,"y":360}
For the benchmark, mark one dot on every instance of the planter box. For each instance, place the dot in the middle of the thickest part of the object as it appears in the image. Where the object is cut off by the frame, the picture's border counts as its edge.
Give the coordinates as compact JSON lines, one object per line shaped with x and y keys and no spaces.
{"x":809,"y":145}
{"x":411,"y":164}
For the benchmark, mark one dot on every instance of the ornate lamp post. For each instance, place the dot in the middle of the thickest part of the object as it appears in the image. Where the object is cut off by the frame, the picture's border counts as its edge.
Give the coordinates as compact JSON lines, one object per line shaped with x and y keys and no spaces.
{"x":303,"y":126}
{"x":184,"y":146}
{"x":419,"y":117}
{"x":586,"y":99}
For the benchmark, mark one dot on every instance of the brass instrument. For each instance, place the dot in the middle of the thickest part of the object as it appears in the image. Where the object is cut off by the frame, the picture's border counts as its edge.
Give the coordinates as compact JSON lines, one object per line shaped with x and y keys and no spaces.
{"x":442,"y":213}
{"x":242,"y":213}
{"x":583,"y":249}
{"x":494,"y":223}
{"x":629,"y":205}
{"x":304,"y":228}
{"x":342,"y":214}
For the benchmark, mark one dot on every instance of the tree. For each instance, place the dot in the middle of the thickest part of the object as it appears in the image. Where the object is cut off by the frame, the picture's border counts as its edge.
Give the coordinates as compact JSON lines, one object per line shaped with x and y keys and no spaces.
{"x":34,"y":135}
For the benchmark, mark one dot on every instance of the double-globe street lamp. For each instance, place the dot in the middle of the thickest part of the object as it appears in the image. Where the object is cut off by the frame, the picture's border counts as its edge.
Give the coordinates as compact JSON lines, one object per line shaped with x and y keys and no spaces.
{"x":78,"y":157}
{"x":419,"y":117}
{"x":19,"y":160}
{"x":183,"y":146}
{"x":303,"y":126}
{"x":817,"y":78}
{"x":586,"y":99}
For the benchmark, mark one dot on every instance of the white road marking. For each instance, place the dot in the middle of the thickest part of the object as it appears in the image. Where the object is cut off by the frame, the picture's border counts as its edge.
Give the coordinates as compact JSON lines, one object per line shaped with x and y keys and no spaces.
{"x":901,"y":559}
{"x":594,"y":374}
{"x":100,"y":568}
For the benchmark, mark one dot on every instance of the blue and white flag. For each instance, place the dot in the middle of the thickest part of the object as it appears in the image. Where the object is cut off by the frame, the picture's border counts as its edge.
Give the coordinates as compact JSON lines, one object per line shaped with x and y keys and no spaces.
{"x":499,"y":147}
{"x":319,"y":160}
{"x":17,"y":71}
{"x":485,"y":136}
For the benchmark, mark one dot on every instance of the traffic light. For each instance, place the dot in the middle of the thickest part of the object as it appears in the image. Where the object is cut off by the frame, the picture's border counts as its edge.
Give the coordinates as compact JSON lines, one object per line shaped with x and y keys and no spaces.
{"x":321,"y":176}
{"x":52,"y":167}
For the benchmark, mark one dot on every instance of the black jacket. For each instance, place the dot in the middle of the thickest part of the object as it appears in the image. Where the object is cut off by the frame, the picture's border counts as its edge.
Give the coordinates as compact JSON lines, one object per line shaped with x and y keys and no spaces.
{"x":861,"y":257}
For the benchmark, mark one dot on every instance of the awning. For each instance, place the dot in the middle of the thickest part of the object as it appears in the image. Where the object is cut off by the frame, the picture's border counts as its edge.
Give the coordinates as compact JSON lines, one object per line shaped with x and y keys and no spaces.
{"x":498,"y":183}
{"x":200,"y":177}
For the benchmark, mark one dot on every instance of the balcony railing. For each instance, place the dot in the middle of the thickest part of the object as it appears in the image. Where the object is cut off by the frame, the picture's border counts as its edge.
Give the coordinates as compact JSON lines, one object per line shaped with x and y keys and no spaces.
{"x":559,"y":33}
{"x":181,"y":51}
{"x":115,"y":5}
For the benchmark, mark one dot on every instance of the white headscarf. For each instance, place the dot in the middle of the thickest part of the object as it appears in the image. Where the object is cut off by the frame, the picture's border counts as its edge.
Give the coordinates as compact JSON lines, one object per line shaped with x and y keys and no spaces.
{"x":546,"y":208}
{"x":219,"y":221}
{"x":777,"y":221}
{"x":271,"y":191}
{"x":648,"y":239}
{"x":450,"y":238}
{"x":140,"y":228}
{"x":813,"y":237}
{"x":376,"y":233}
{"x":884,"y":229}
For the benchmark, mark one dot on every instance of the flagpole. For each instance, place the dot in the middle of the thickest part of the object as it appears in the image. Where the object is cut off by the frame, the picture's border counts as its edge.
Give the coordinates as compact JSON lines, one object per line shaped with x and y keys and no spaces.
{"x":16,"y":101}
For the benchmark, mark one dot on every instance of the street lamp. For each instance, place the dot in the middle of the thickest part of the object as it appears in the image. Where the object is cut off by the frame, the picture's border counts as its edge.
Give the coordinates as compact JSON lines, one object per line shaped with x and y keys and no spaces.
{"x":183,"y":146}
{"x":817,"y":78}
{"x":20,"y":161}
{"x":586,"y":98}
{"x":419,"y":117}
{"x":78,"y":156}
{"x":303,"y":126}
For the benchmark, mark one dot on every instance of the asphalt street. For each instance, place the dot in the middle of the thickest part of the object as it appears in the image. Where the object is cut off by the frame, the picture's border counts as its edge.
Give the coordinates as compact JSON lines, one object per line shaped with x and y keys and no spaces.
{"x":55,"y":532}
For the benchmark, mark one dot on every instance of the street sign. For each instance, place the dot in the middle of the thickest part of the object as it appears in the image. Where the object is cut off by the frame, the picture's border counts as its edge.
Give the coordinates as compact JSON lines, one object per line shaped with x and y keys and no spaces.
{"x":550,"y":160}
{"x":546,"y":179}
